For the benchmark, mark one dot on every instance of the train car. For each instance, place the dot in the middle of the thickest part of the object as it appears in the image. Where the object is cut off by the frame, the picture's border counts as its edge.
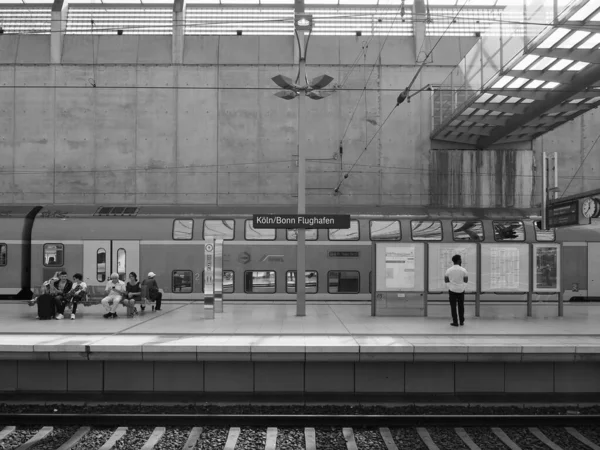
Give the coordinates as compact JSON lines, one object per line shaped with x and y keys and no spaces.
{"x":259,"y":264}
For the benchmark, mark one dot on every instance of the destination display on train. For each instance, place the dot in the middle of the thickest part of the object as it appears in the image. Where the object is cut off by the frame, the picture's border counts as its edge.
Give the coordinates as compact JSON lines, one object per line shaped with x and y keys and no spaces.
{"x":336,"y":221}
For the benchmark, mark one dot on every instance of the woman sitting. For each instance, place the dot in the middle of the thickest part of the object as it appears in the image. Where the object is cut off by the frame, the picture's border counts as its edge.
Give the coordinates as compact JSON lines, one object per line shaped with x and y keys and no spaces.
{"x":77,"y":294}
{"x":133,"y":292}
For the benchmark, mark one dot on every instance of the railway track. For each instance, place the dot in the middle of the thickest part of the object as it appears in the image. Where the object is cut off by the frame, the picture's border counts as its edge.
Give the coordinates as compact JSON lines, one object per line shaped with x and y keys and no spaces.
{"x":301,"y":432}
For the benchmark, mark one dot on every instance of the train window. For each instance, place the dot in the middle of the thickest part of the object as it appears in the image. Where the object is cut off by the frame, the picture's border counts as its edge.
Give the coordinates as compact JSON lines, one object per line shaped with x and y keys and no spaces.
{"x":541,"y":235}
{"x":182,"y":281}
{"x":342,"y":234}
{"x":219,"y":229}
{"x":311,"y":234}
{"x":310,"y":281}
{"x":53,"y":255}
{"x":385,"y":230}
{"x":121,"y":257}
{"x":101,"y":265}
{"x":259,"y":234}
{"x":426,"y":230}
{"x":467,"y":230}
{"x":512,"y":230}
{"x":228,"y":281}
{"x":3,"y":254}
{"x":183,"y":229}
{"x":259,"y":281}
{"x":343,"y":282}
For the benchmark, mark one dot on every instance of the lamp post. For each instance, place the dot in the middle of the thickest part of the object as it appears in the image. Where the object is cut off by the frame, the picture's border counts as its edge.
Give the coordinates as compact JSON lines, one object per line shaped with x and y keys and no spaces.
{"x":292,"y":90}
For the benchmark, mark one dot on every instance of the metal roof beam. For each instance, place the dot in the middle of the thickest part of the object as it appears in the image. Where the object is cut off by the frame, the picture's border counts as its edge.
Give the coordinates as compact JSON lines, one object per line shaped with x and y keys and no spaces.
{"x":480,"y":131}
{"x":493,"y":121}
{"x":590,"y":56}
{"x":545,"y":75}
{"x":531,"y":94}
{"x":453,"y":137}
{"x":505,"y":107}
{"x":581,"y":80}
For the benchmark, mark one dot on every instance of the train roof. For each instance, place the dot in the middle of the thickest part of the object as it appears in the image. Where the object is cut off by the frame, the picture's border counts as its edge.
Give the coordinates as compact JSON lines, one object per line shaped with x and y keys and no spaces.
{"x":63,"y":211}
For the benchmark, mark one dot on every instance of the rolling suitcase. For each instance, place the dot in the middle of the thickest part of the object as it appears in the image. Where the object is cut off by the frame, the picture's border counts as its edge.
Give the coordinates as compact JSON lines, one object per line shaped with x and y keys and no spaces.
{"x":45,"y":305}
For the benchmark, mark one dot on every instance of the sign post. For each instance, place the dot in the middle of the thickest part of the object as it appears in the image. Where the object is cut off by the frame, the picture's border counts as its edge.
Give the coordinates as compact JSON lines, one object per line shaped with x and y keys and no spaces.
{"x":209,"y":276}
{"x":218,"y":275}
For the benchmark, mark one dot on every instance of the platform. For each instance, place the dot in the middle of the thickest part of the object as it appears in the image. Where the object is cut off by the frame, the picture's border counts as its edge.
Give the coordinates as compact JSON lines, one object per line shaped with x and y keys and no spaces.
{"x":265,"y":348}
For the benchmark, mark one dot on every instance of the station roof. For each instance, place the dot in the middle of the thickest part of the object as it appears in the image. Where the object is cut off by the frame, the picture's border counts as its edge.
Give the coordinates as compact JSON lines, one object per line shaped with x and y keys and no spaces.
{"x":554,"y":79}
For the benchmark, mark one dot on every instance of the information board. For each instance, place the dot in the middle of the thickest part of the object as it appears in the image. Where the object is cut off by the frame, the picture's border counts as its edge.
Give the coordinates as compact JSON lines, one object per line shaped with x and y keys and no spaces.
{"x":400,"y":267}
{"x":546,"y":267}
{"x":505,"y":268}
{"x":440,"y":259}
{"x":563,"y":214}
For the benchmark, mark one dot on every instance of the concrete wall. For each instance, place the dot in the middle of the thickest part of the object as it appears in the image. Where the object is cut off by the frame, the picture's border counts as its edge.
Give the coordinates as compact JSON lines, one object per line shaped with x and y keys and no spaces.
{"x":210,"y":130}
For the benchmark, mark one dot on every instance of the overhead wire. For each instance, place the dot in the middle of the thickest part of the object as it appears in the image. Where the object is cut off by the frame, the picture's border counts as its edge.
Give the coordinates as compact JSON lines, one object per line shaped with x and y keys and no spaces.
{"x":403,"y":96}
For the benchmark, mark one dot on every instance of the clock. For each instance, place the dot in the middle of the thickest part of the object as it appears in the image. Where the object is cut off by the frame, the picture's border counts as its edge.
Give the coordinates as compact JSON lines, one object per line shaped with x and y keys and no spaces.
{"x":597,"y":213}
{"x":589,"y":207}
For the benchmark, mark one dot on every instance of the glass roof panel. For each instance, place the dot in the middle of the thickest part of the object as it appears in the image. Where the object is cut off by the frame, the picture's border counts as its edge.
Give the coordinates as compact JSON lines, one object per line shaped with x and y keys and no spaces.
{"x":502,"y":82}
{"x":577,"y":100}
{"x":534,"y":84}
{"x":573,"y":39}
{"x":591,"y":42}
{"x":561,"y":64}
{"x":498,"y":99}
{"x":542,"y":63}
{"x":525,"y":62}
{"x":246,"y":2}
{"x":394,"y":2}
{"x":29,"y":1}
{"x":556,"y":36}
{"x":596,"y":18}
{"x":443,"y":2}
{"x":513,"y":100}
{"x":585,"y":11}
{"x":277,"y":2}
{"x":527,"y":100}
{"x":483,"y":98}
{"x":148,"y":2}
{"x":579,"y":65}
{"x":202,"y":1}
{"x":480,"y":112}
{"x":321,"y":2}
{"x":518,"y":83}
{"x":550,"y":85}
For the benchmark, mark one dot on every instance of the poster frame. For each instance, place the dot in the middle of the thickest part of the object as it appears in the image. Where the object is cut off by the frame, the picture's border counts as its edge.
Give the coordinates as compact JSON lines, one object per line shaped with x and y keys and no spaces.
{"x":524,"y":268}
{"x":420,"y":261}
{"x":473,"y":270}
{"x":535,"y":248}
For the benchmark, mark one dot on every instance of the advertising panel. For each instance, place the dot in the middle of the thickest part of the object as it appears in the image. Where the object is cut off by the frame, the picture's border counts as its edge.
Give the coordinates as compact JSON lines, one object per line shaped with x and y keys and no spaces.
{"x":546,"y":268}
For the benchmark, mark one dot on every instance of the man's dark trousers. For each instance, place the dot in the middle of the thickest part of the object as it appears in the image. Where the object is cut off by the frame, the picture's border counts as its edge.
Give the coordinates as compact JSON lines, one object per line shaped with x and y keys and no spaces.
{"x":457,"y":297}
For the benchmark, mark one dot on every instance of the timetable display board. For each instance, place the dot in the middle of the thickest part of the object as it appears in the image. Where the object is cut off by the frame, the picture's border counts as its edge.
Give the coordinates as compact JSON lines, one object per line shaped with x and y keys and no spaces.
{"x":400,"y":267}
{"x":505,"y":267}
{"x":546,"y":267}
{"x":440,"y":259}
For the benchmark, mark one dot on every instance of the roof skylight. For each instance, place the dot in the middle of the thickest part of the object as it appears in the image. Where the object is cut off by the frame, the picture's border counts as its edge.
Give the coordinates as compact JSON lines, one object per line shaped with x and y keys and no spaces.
{"x":542,"y":63}
{"x":585,"y":11}
{"x":556,"y":36}
{"x":518,"y":83}
{"x":573,"y":39}
{"x":591,"y":42}
{"x":579,"y":65}
{"x":550,"y":85}
{"x":502,"y":82}
{"x":534,"y":84}
{"x":525,"y":62}
{"x":561,"y":64}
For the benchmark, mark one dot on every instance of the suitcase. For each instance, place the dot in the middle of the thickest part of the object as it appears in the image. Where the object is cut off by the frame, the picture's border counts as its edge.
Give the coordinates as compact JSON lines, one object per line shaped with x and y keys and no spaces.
{"x":45,"y":305}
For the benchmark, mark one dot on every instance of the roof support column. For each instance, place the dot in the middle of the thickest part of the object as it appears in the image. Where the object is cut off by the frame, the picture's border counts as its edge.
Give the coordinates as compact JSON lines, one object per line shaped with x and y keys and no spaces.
{"x":421,"y":42}
{"x":179,"y":7}
{"x":58,"y":27}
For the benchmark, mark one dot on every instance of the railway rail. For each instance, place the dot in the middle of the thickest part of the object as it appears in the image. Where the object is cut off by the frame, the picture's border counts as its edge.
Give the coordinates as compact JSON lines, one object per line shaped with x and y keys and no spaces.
{"x":295,"y":432}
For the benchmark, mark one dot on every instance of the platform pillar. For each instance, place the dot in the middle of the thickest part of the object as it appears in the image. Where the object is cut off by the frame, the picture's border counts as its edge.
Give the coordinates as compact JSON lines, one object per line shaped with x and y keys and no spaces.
{"x":209,"y":277}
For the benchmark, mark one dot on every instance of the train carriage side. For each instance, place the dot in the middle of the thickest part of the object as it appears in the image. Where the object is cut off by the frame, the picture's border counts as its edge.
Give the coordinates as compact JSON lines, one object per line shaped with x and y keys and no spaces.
{"x":11,"y":253}
{"x":98,"y":246}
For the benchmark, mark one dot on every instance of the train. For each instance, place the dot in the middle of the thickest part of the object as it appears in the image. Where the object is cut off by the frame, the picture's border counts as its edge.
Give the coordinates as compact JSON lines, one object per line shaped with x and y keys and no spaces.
{"x":259,"y":264}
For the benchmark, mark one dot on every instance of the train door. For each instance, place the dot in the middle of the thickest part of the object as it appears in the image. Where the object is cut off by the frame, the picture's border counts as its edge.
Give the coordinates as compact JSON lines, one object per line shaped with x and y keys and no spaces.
{"x":593,"y":271}
{"x":101,"y":258}
{"x":126,"y":258}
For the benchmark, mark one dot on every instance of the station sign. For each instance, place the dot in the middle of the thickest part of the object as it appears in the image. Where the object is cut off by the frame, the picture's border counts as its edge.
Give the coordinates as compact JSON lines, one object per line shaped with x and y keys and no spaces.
{"x":563,"y":214}
{"x":319,"y":221}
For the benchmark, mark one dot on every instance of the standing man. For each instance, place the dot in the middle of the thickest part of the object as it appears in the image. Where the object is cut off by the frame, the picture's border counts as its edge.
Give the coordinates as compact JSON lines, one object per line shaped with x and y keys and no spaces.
{"x":456,"y":279}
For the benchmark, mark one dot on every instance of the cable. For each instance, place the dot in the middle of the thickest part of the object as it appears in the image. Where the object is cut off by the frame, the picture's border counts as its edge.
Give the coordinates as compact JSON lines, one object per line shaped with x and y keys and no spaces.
{"x":580,"y":165}
{"x":403,"y":96}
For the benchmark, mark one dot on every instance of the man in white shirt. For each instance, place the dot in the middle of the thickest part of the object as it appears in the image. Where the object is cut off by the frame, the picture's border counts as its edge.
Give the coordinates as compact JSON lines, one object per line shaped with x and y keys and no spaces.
{"x":456,"y":279}
{"x":115,"y":289}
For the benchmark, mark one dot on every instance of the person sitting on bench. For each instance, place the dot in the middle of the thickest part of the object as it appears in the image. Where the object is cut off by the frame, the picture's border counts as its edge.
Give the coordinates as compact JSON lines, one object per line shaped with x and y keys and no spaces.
{"x":115,"y":289}
{"x":77,"y":294}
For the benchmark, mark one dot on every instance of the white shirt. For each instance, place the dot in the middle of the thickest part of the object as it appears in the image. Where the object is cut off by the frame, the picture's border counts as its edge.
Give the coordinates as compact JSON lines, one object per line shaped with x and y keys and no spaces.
{"x":456,"y":276}
{"x":80,"y":284}
{"x":119,"y":286}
